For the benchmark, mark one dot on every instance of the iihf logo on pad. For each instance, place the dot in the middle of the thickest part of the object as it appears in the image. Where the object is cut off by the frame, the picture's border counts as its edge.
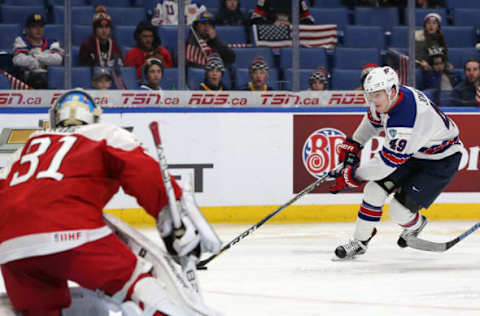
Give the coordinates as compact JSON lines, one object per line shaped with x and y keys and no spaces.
{"x":319,"y":152}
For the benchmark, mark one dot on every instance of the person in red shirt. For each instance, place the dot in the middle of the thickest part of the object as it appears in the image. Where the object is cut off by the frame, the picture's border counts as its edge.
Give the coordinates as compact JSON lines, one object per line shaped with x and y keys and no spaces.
{"x":148,"y":45}
{"x":52,"y":230}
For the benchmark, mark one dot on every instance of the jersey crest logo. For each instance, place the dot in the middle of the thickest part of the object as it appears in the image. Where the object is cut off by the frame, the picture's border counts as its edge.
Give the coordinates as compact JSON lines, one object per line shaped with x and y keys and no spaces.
{"x":319,"y":153}
{"x":392,"y":132}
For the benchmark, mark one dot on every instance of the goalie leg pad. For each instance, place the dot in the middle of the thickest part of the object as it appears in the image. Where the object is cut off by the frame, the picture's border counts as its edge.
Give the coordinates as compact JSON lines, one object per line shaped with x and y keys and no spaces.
{"x":209,"y":240}
{"x":142,"y":266}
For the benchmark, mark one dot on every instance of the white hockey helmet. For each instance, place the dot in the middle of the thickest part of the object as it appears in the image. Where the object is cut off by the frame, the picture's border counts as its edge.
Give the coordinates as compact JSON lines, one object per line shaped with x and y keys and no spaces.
{"x":75,"y":107}
{"x":382,"y":78}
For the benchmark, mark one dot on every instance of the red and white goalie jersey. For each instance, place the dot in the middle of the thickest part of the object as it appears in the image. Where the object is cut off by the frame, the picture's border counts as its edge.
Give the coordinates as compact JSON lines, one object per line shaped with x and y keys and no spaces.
{"x":54,"y":189}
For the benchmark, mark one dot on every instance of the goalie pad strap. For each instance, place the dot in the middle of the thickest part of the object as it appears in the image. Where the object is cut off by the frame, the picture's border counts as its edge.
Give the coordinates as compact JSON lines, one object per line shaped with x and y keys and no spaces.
{"x":142,"y":267}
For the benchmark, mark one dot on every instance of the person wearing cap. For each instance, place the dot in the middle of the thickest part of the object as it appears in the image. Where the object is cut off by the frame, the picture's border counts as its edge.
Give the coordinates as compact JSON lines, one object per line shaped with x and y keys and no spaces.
{"x":279,"y":12}
{"x":100,"y":49}
{"x":153,"y":73}
{"x":33,"y":52}
{"x":102,"y":78}
{"x":214,"y":71}
{"x":430,"y":36}
{"x":202,"y":41}
{"x":318,"y":80}
{"x":365,"y":71}
{"x":258,"y":72}
{"x":438,"y":77}
{"x":148,"y":45}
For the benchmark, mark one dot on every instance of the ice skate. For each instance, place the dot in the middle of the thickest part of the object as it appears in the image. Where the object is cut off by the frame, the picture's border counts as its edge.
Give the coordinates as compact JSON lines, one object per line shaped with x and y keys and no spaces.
{"x":352,"y":248}
{"x":407,"y":233}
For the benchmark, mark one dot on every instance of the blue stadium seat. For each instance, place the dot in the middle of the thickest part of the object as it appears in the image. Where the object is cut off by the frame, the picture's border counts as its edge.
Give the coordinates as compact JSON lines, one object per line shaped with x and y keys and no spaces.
{"x":399,"y":36}
{"x":309,"y":57}
{"x":8,"y":33}
{"x":111,"y":3}
{"x":458,"y":56}
{"x":245,"y":56}
{"x":445,"y":98}
{"x":149,"y":5}
{"x":459,"y":36}
{"x":4,"y":82}
{"x":242,"y":78}
{"x":211,"y":4}
{"x":460,"y":73}
{"x":81,"y":77}
{"x":168,"y":36}
{"x":346,"y":79}
{"x":355,"y":58}
{"x":196,"y":75}
{"x":364,"y":36}
{"x":421,"y":13}
{"x":328,"y":4}
{"x":126,"y":16}
{"x":80,"y":15}
{"x":56,"y":32}
{"x":75,"y":55}
{"x":304,"y":79}
{"x":170,"y":79}
{"x":386,"y":17}
{"x":339,"y":16}
{"x":123,"y":34}
{"x":466,"y":17}
{"x":248,"y":4}
{"x":232,"y":34}
{"x":25,"y":2}
{"x":462,"y":4}
{"x":75,"y":3}
{"x":12,"y":14}
{"x":129,"y":76}
{"x":80,"y":33}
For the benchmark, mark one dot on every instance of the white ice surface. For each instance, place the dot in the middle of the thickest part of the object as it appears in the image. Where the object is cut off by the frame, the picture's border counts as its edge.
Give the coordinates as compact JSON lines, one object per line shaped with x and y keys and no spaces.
{"x":287,"y":270}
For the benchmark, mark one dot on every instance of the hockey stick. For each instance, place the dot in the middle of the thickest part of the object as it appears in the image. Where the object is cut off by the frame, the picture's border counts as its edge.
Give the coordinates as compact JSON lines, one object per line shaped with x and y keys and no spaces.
{"x":426,"y":245}
{"x":188,"y":263}
{"x":202,"y":263}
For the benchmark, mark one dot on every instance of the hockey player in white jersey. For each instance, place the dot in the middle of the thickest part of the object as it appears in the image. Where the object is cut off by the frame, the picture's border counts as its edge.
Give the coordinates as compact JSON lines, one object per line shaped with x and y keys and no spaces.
{"x":420,"y":156}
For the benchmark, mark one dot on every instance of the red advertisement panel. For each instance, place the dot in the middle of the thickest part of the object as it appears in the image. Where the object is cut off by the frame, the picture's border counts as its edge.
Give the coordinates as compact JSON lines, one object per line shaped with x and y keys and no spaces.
{"x":315,"y":137}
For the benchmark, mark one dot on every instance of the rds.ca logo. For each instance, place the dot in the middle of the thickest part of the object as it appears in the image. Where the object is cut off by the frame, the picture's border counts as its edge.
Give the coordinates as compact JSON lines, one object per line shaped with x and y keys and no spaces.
{"x":319,"y":152}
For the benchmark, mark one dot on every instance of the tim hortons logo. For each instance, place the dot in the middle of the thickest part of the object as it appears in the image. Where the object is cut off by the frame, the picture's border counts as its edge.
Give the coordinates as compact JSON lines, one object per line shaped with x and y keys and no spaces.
{"x":319,"y":153}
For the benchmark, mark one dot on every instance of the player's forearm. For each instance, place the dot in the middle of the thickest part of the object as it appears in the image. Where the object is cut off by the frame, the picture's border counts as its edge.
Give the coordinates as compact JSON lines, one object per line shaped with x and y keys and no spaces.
{"x":365,"y":131}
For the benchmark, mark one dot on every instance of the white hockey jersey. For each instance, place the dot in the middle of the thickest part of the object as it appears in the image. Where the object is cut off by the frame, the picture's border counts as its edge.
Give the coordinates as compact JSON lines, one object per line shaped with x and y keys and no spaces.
{"x":166,"y":13}
{"x":414,"y":127}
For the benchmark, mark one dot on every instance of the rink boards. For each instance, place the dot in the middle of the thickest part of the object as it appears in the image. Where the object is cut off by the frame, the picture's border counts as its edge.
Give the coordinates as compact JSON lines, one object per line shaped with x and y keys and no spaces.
{"x":245,"y":162}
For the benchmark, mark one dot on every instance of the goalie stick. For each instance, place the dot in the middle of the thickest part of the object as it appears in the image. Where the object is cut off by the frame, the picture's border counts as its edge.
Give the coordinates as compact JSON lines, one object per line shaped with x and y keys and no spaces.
{"x":426,"y":245}
{"x":188,"y":263}
{"x":202,"y":263}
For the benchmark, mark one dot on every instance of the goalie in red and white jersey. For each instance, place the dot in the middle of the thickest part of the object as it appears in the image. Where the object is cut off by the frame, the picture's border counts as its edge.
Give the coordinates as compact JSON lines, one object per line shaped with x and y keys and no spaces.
{"x":51,"y":226}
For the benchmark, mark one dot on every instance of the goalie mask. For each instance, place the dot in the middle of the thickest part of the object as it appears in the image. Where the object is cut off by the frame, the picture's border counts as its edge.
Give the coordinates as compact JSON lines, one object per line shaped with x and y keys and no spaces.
{"x":75,"y":107}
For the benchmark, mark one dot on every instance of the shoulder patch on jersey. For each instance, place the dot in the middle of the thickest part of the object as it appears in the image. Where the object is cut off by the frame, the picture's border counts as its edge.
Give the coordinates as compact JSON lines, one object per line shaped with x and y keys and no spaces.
{"x":405,"y":113}
{"x":114,"y":136}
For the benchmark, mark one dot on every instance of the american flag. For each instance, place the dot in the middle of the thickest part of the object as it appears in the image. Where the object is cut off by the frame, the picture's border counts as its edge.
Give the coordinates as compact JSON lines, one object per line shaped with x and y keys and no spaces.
{"x":15,"y":83}
{"x":276,"y":36}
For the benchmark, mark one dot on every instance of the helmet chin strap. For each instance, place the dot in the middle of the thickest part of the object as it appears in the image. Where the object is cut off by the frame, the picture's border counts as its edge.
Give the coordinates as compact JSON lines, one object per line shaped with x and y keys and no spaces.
{"x":391,"y":101}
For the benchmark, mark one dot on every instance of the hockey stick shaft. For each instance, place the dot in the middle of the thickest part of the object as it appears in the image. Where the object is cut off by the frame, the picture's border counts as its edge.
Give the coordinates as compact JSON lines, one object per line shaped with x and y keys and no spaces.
{"x":174,"y":212}
{"x":237,"y":239}
{"x":426,"y":245}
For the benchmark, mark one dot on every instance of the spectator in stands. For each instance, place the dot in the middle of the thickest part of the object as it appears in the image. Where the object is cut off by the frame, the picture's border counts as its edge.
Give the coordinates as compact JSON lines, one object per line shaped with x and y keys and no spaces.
{"x":279,"y":12}
{"x":230,"y":14}
{"x":102,"y":78}
{"x":438,"y":77}
{"x":214,"y":71}
{"x":430,"y":37}
{"x":166,"y":12}
{"x":258,"y":71}
{"x":153,"y":72}
{"x":319,"y":80}
{"x":148,"y":46}
{"x":467,"y":93}
{"x":202,"y":41}
{"x":365,"y":71}
{"x":431,"y":4}
{"x":33,"y":53}
{"x":100,"y":49}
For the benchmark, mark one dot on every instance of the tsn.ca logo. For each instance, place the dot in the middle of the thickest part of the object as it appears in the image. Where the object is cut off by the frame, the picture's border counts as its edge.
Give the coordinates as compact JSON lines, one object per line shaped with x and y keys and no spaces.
{"x":319,"y":153}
